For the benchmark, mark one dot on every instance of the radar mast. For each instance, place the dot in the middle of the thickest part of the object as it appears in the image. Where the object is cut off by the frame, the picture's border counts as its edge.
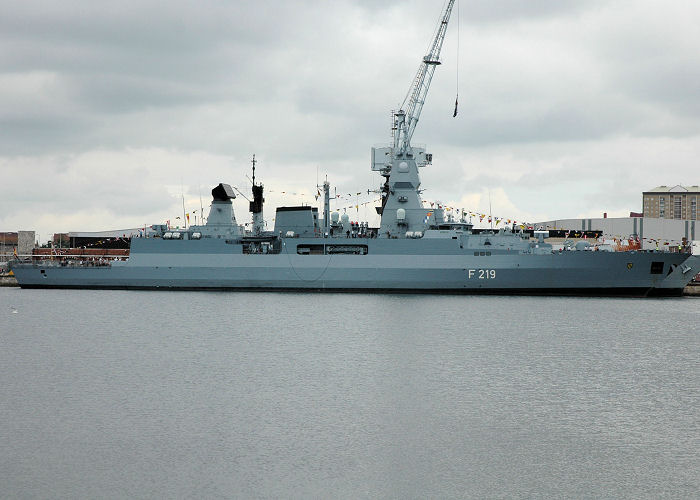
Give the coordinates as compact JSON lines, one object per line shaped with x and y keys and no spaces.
{"x":256,"y":206}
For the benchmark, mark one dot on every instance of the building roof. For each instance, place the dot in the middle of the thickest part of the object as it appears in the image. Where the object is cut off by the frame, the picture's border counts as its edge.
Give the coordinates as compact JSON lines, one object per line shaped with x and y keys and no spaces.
{"x":116,"y":233}
{"x":675,"y":189}
{"x":8,"y":238}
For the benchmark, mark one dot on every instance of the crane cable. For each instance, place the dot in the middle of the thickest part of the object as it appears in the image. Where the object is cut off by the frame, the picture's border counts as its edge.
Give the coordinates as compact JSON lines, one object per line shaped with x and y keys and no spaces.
{"x":457,"y":97}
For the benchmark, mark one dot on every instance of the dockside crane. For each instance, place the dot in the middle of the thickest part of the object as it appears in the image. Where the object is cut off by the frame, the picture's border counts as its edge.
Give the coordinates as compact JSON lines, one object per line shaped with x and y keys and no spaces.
{"x":406,"y":118}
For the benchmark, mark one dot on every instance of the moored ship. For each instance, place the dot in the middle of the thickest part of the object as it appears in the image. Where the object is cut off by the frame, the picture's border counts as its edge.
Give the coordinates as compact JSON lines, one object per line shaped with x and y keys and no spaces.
{"x":414,"y":249}
{"x":306,"y":252}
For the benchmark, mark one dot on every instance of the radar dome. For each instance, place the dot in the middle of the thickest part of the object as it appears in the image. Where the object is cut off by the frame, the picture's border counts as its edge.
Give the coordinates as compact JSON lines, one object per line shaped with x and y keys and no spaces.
{"x":335,"y":216}
{"x":345,"y":218}
{"x":400,"y":214}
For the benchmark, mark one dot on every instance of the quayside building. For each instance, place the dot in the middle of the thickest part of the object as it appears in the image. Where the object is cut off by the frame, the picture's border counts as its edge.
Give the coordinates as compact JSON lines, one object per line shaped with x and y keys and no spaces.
{"x":669,"y":218}
{"x":677,"y":202}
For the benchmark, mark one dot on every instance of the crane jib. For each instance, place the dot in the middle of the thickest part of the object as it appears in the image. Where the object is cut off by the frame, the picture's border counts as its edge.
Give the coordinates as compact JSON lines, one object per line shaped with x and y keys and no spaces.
{"x":404,"y":124}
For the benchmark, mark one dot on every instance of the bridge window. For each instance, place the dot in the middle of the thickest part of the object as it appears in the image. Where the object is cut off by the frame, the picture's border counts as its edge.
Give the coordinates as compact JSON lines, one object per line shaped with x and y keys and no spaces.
{"x":332,"y":250}
{"x":347,"y":249}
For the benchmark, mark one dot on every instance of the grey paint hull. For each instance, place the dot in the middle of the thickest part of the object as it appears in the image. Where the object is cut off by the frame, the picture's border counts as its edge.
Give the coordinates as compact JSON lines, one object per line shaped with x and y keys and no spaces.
{"x":438,"y":267}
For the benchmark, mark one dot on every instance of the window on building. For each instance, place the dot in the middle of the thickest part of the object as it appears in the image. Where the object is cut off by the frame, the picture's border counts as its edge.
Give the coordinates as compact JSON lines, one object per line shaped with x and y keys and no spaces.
{"x":662,"y":207}
{"x":677,"y":208}
{"x":693,"y":208}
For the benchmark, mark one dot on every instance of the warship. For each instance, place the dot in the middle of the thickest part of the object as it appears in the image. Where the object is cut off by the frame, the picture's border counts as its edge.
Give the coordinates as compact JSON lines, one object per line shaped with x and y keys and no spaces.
{"x":414,"y":249}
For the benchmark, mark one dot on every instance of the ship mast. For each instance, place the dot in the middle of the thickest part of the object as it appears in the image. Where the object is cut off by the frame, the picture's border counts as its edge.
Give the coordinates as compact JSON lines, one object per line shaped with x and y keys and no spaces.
{"x":256,"y":206}
{"x":253,"y":161}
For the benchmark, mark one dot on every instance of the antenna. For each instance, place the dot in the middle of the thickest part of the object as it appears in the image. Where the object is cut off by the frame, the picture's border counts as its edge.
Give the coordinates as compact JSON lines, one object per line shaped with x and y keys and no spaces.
{"x":253,"y":162}
{"x":201,"y":208}
{"x":457,"y":96}
{"x":182,"y":192}
{"x":240,"y":192}
{"x":490,"y":212}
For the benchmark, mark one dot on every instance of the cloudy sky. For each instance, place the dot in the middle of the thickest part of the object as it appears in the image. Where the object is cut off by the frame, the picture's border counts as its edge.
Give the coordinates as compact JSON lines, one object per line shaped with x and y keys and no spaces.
{"x":111,"y":111}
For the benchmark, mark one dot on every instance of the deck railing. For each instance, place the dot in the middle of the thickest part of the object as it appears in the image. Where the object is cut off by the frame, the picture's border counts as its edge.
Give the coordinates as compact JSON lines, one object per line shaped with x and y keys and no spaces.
{"x":66,"y":260}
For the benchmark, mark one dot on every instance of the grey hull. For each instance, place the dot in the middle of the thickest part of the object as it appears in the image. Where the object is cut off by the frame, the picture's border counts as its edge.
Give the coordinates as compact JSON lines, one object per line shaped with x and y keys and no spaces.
{"x":429,"y":267}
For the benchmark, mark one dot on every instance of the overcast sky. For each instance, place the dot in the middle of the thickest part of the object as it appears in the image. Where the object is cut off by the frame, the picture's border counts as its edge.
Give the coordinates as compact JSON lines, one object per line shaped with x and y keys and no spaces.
{"x":109,"y":111}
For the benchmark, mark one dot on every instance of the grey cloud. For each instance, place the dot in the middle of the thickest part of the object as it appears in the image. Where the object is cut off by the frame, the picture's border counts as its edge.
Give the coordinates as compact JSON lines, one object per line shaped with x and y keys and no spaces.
{"x":509,"y":10}
{"x":166,"y":26}
{"x":671,"y":85}
{"x":117,"y":61}
{"x":312,"y":84}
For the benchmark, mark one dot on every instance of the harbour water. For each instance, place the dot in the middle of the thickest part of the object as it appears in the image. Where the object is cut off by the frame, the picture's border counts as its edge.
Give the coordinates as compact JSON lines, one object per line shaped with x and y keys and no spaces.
{"x":115,"y":394}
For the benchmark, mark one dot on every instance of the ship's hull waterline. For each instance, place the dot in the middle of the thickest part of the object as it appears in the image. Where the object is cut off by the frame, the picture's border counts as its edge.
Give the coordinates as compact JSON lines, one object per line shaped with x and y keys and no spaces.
{"x":215,"y":265}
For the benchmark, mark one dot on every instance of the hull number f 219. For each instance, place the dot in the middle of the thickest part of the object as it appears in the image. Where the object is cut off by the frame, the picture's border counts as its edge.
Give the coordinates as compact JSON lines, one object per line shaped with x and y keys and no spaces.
{"x":481,"y":274}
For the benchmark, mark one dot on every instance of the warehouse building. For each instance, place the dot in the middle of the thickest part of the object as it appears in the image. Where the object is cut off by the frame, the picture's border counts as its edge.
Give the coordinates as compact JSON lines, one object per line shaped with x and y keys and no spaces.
{"x":652,"y":233}
{"x":669,"y":220}
{"x":118,"y":238}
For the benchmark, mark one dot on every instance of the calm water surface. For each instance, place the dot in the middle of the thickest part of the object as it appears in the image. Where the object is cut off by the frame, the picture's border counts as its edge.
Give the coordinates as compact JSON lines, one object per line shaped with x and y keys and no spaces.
{"x":115,"y":394}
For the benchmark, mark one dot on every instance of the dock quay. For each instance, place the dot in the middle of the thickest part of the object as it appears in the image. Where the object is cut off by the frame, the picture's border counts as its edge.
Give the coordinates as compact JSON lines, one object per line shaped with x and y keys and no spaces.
{"x":7,"y":280}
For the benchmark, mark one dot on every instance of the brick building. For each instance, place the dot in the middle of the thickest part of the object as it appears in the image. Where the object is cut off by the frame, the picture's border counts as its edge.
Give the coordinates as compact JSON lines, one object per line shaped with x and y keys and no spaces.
{"x":677,"y":202}
{"x":22,"y":242}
